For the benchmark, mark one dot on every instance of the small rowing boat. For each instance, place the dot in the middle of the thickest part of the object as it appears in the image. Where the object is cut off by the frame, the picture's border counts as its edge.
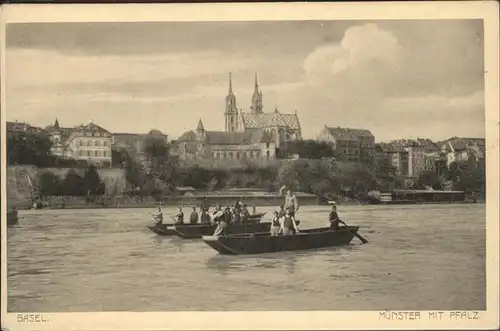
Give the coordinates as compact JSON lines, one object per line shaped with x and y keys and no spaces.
{"x":194,"y":232}
{"x":162,"y":229}
{"x":258,"y":243}
{"x":12,"y":217}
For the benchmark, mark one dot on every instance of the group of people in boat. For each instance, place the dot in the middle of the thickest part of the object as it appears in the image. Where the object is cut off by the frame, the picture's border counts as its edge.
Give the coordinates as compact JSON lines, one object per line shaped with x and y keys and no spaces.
{"x":282,"y":223}
{"x":238,"y":213}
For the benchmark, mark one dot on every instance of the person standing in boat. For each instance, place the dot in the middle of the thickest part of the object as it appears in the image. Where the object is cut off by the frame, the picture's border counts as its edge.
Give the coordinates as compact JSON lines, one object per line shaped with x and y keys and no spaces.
{"x":224,"y":221}
{"x":291,"y":202}
{"x":204,"y":217}
{"x":158,"y":216}
{"x":275,"y":225}
{"x":288,"y":224}
{"x":193,"y":218}
{"x":216,"y":215}
{"x":236,"y":216}
{"x":254,"y":210}
{"x":180,"y":216}
{"x":334,"y":218}
{"x":245,"y":213}
{"x":281,"y":212}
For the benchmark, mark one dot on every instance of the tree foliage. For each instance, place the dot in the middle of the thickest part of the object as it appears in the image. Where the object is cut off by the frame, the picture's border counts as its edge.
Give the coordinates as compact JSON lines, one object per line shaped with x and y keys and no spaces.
{"x":29,"y":149}
{"x":308,"y":149}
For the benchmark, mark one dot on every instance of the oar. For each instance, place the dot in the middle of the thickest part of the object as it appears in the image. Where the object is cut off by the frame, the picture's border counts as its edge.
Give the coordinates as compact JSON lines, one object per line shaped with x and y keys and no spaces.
{"x":355,"y":233}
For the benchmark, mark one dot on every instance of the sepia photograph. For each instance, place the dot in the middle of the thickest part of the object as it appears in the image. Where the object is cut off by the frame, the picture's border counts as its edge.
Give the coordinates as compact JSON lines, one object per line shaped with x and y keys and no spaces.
{"x":262,"y":158}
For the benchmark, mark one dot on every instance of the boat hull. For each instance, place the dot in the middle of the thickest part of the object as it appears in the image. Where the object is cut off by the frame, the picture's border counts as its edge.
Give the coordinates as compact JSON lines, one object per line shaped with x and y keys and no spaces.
{"x":196,"y":232}
{"x":260,"y":243}
{"x":12,"y":218}
{"x":162,"y":230}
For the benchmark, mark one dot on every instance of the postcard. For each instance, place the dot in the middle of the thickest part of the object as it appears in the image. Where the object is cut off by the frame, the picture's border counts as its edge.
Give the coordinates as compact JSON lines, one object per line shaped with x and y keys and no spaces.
{"x":284,"y":166}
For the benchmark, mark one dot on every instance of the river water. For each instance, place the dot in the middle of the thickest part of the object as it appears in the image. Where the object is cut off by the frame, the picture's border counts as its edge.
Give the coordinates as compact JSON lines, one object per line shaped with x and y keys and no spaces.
{"x":428,"y":257}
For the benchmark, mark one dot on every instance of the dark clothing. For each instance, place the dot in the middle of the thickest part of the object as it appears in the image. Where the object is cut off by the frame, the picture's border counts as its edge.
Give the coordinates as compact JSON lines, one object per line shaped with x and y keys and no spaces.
{"x":281,"y":213}
{"x":236,"y":217}
{"x":334,"y":220}
{"x":226,"y":217}
{"x":205,"y":218}
{"x":276,"y":221}
{"x":180,"y":218}
{"x":193,"y":218}
{"x":288,"y":222}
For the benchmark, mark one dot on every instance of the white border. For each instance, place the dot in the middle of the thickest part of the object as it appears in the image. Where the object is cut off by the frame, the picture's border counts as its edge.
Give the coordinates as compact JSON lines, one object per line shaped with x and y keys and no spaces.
{"x":350,"y":320}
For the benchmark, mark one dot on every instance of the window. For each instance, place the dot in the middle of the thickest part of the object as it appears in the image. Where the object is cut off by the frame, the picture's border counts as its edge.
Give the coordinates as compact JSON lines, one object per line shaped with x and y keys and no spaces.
{"x":237,"y":155}
{"x":88,"y":153}
{"x":105,"y":143}
{"x":97,"y":143}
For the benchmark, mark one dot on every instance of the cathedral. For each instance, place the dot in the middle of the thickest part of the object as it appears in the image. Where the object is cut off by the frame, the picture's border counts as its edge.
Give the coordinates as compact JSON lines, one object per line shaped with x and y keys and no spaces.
{"x":251,"y":135}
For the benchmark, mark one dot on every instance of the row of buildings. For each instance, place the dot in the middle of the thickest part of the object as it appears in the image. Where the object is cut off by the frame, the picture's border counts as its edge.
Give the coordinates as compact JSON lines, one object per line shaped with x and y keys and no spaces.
{"x":257,"y":135}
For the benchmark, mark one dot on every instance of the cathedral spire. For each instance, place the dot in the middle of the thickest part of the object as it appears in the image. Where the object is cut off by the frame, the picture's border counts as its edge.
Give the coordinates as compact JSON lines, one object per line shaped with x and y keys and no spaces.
{"x":256,"y":106}
{"x":230,"y":84}
{"x":200,"y":126}
{"x":56,"y":124}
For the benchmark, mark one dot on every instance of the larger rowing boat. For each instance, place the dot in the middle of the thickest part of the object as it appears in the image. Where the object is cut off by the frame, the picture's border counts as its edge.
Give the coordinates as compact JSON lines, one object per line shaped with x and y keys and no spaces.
{"x":200,"y":230}
{"x":258,"y":243}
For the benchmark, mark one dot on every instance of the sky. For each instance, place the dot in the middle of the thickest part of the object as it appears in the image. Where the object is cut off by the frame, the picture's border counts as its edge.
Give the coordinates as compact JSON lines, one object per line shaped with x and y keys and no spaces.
{"x":398,"y":78}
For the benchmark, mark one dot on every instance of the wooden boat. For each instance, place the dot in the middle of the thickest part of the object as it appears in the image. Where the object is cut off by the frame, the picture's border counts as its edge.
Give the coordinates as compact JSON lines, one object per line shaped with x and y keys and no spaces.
{"x":167,"y":229}
{"x":255,"y":218}
{"x":258,"y":243}
{"x":196,"y":232}
{"x":12,"y":217}
{"x":162,"y":229}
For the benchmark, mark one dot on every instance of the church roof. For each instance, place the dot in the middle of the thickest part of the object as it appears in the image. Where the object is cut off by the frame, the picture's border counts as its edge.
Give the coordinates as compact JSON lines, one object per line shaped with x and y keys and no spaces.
{"x":187,"y":136}
{"x":265,"y":120}
{"x":236,"y":138}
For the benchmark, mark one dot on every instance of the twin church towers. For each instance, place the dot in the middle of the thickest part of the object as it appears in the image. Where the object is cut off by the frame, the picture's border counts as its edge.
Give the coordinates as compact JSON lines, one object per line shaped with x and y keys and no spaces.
{"x":232,"y":114}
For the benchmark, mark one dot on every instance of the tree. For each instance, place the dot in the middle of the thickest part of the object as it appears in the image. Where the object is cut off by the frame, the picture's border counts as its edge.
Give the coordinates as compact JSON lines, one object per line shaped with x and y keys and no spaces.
{"x":73,"y":185}
{"x":308,"y":149}
{"x":429,"y":179}
{"x":160,"y":164}
{"x":49,"y":184}
{"x":29,"y":148}
{"x":93,"y":185}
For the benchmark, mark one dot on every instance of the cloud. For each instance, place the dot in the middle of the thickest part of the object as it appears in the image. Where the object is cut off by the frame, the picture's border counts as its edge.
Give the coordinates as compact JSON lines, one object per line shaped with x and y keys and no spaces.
{"x":361,"y":46}
{"x":396,"y":78}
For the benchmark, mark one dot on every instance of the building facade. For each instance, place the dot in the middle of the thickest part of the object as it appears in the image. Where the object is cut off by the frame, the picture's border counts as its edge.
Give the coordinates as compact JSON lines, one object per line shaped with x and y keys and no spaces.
{"x":350,"y":144}
{"x":88,"y":142}
{"x":281,"y":127}
{"x":463,"y":149}
{"x":409,"y":157}
{"x":220,"y":146}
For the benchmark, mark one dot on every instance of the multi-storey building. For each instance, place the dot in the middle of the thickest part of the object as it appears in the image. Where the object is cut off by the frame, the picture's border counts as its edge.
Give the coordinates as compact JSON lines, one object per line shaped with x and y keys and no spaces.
{"x":462,"y":149}
{"x":409,"y":157}
{"x":88,"y":142}
{"x":350,"y":144}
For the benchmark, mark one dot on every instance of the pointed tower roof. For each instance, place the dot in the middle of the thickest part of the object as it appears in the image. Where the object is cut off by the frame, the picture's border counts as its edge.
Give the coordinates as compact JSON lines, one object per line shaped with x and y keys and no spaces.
{"x":56,"y":124}
{"x":256,"y":83}
{"x":200,"y":126}
{"x":230,"y":84}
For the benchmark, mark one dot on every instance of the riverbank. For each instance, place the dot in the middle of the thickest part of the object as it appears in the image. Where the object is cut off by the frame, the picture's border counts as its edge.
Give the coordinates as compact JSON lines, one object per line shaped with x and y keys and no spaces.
{"x":181,"y":201}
